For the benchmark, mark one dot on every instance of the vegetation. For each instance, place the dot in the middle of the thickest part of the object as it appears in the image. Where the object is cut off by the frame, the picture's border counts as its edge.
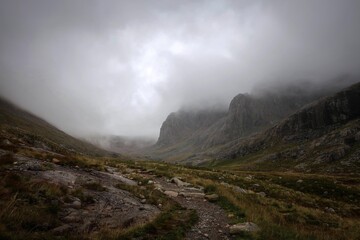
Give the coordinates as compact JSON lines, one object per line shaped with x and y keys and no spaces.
{"x":291,"y":209}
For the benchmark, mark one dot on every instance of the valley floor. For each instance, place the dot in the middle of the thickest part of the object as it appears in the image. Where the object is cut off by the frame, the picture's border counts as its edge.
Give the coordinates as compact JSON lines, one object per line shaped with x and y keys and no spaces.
{"x":48,"y":195}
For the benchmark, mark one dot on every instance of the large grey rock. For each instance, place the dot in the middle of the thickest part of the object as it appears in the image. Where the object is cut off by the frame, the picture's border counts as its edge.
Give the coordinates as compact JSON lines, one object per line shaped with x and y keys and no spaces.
{"x":212,"y":197}
{"x":171,"y":193}
{"x":179,"y":182}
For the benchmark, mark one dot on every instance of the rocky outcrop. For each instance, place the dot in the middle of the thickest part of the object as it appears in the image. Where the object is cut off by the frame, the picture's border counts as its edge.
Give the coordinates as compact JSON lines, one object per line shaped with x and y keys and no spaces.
{"x":195,"y":131}
{"x":322,"y":136}
{"x":183,"y":124}
{"x":337,"y":109}
{"x":249,"y":114}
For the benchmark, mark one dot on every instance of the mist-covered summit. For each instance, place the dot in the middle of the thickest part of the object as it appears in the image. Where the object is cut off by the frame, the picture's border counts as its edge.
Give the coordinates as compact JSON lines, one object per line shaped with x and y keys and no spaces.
{"x":198,"y":131}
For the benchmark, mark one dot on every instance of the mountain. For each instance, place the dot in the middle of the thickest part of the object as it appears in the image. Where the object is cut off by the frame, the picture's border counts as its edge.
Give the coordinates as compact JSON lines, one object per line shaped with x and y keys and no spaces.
{"x":19,"y":125}
{"x":253,"y":120}
{"x":322,"y":136}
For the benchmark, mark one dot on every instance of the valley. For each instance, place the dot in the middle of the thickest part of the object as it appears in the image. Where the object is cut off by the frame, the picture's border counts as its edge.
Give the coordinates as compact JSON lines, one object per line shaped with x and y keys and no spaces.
{"x":179,"y":120}
{"x":302,"y":185}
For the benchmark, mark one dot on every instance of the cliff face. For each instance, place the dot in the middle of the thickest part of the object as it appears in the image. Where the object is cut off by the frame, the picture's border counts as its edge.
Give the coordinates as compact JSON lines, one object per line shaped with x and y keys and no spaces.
{"x":246,"y":115}
{"x":340,"y":108}
{"x":183,"y":124}
{"x":249,"y":114}
{"x":323,"y":136}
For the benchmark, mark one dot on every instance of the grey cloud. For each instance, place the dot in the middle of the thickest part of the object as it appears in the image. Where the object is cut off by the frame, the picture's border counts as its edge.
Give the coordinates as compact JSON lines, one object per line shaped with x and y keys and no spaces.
{"x":119,"y":67}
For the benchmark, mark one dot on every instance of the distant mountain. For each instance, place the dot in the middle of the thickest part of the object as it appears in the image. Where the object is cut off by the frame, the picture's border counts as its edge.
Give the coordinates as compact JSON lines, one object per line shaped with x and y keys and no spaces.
{"x":17,"y":124}
{"x":185,"y":137}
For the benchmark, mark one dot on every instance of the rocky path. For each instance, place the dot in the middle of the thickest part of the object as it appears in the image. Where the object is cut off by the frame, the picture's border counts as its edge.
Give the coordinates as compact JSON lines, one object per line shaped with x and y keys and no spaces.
{"x":213,"y":221}
{"x":113,"y":207}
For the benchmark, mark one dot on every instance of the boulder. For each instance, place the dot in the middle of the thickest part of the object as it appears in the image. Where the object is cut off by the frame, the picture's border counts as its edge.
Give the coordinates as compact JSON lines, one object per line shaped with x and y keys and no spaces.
{"x":262,"y":194}
{"x":244,"y":227}
{"x":6,"y":142}
{"x":171,"y":193}
{"x":329,"y":210}
{"x":180,"y":183}
{"x":76,"y":204}
{"x":212,"y":197}
{"x":240,"y":190}
{"x":55,"y":160}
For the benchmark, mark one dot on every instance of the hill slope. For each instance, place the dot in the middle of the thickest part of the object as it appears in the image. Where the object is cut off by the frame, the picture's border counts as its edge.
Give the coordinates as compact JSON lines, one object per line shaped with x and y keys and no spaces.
{"x":20,"y":125}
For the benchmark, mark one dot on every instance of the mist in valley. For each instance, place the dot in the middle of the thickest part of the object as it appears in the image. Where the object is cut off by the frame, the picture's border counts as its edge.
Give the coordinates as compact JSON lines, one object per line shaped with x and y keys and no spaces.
{"x":101,"y":68}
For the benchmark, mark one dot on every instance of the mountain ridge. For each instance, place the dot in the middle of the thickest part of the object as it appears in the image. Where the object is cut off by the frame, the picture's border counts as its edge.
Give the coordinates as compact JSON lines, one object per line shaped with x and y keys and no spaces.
{"x":237,"y":133}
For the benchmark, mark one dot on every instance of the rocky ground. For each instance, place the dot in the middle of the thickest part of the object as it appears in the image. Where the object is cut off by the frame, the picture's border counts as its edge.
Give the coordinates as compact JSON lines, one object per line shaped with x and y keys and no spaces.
{"x":94,"y":202}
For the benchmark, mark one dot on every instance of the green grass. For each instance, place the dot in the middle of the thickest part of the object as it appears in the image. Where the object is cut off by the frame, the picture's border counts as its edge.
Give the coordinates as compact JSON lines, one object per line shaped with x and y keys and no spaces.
{"x":172,"y":224}
{"x":26,"y":207}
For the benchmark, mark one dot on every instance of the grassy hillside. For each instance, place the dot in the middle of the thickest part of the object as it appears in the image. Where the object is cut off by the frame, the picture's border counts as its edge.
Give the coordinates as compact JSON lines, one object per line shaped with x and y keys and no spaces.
{"x":18,"y":124}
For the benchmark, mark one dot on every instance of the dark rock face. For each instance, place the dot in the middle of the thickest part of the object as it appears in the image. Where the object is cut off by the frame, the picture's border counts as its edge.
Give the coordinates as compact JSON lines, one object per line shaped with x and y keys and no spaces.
{"x":246,"y":115}
{"x":249,"y":114}
{"x":321,"y":136}
{"x":183,"y":124}
{"x":340,"y":108}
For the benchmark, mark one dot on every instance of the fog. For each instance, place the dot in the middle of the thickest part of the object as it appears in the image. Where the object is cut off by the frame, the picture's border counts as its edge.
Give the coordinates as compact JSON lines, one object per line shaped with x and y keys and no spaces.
{"x":120,"y":67}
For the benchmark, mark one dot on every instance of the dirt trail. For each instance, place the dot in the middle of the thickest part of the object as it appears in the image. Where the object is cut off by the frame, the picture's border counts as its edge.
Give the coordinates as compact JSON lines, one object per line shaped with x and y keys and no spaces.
{"x":213,"y":221}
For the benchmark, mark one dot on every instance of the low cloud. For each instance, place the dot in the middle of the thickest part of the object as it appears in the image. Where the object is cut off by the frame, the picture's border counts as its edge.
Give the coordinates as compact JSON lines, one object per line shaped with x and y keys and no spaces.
{"x":120,"y":67}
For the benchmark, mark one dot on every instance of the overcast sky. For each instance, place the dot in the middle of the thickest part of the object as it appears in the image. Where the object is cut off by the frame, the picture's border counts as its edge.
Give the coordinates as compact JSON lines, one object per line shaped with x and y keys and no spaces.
{"x":120,"y":67}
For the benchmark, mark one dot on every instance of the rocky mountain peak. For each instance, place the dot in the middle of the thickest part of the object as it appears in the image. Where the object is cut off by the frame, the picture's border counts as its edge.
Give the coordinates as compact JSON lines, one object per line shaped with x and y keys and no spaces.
{"x":182,"y":124}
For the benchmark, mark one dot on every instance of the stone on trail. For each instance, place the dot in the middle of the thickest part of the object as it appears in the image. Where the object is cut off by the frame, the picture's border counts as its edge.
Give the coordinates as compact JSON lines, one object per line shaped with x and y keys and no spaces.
{"x":244,"y":227}
{"x":212,"y":197}
{"x":55,"y":160}
{"x":192,"y":194}
{"x":180,"y":183}
{"x":171,"y":193}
